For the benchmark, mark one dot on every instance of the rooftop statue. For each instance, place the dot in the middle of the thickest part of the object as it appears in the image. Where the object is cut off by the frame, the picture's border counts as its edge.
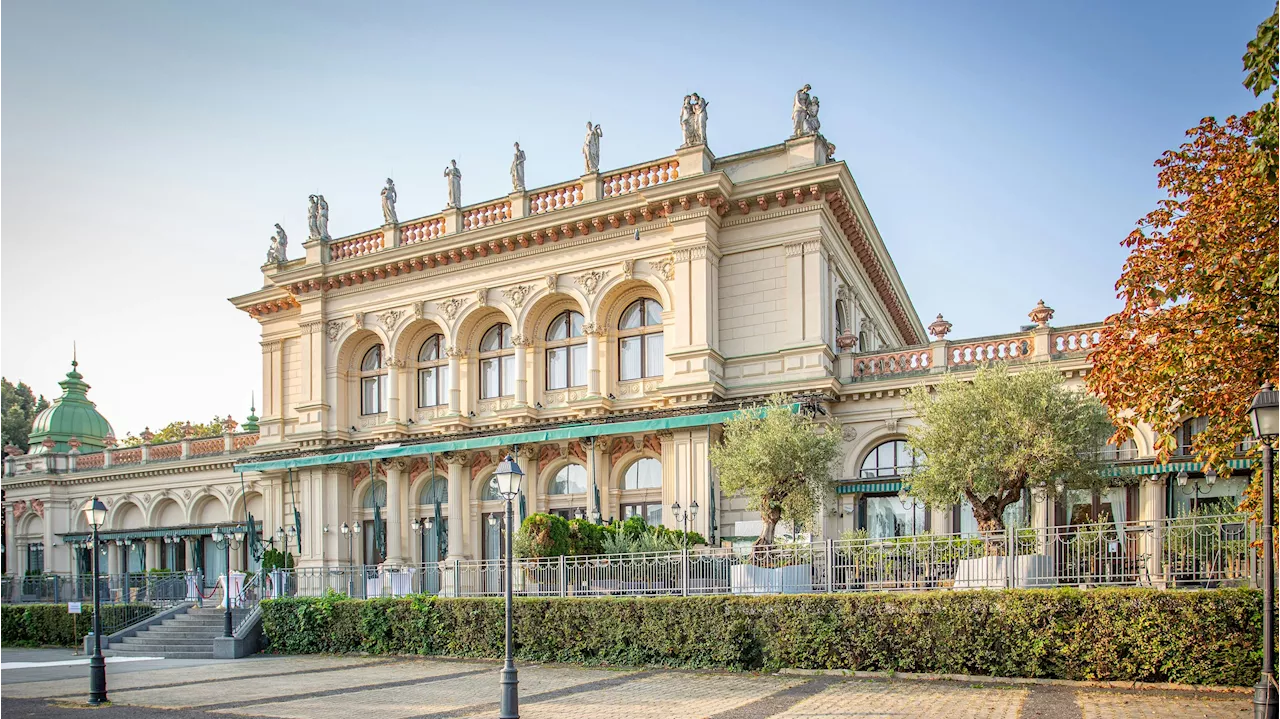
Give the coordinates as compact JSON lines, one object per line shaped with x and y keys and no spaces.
{"x":389,"y":203}
{"x":591,"y":147}
{"x":517,"y":170}
{"x":322,"y":217}
{"x":279,"y":246}
{"x":812,"y":126}
{"x":313,"y":217}
{"x":693,"y":120}
{"x":803,"y":113}
{"x":700,"y":117}
{"x":454,"y":177}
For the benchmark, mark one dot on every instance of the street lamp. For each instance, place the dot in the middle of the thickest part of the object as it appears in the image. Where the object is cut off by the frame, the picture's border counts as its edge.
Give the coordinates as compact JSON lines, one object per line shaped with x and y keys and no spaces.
{"x":95,"y":514}
{"x":684,"y":517}
{"x":227,"y":540}
{"x":1186,"y":486}
{"x":1264,"y":415}
{"x":509,"y":475}
{"x":908,"y":502}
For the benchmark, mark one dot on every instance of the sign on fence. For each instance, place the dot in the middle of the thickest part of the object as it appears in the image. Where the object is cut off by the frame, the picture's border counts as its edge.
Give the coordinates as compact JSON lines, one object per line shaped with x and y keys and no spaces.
{"x":73,"y":607}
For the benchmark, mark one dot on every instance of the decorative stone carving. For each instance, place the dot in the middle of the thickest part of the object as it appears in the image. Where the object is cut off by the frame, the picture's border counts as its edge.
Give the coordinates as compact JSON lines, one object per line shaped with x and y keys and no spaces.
{"x":397,"y":362}
{"x":1041,"y":314}
{"x":517,"y":170}
{"x":278,"y":251}
{"x":322,"y":217}
{"x":389,"y":203}
{"x":390,"y":318}
{"x":590,"y":281}
{"x":450,"y":307}
{"x":517,"y":295}
{"x":229,"y":424}
{"x":313,"y":217}
{"x":482,"y":297}
{"x":846,"y":341}
{"x":939,"y":327}
{"x":333,"y":329}
{"x":891,"y":424}
{"x":628,"y":269}
{"x":37,"y":506}
{"x":594,"y":328}
{"x":665,"y":267}
{"x":147,"y":435}
{"x":453,"y":176}
{"x":804,"y":113}
{"x":591,"y":148}
{"x":553,"y":280}
{"x":521,"y":341}
{"x":419,"y":310}
{"x":19,"y":508}
{"x":358,"y":319}
{"x":848,"y":432}
{"x":453,"y":352}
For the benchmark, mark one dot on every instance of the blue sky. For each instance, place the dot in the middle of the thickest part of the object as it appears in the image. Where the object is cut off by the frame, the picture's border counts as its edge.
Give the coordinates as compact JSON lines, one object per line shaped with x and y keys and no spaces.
{"x":1004,"y":148}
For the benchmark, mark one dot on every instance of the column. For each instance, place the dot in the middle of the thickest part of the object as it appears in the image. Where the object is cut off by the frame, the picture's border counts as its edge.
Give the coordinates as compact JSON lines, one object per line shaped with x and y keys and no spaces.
{"x":522,"y":345}
{"x":527,"y":458}
{"x":593,"y":331}
{"x":598,"y":463}
{"x":10,"y":543}
{"x":457,"y":503}
{"x":817,"y":293}
{"x":795,"y":294}
{"x":671,"y":477}
{"x":393,"y":389}
{"x":455,"y":391}
{"x":395,"y":512}
{"x":152,"y":554}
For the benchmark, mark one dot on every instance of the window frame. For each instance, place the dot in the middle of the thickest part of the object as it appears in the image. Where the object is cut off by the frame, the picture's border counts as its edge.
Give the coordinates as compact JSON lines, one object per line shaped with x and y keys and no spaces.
{"x":505,"y":349}
{"x":376,"y":375}
{"x":641,"y":334}
{"x":874,"y":452}
{"x":440,"y":366}
{"x":567,"y":343}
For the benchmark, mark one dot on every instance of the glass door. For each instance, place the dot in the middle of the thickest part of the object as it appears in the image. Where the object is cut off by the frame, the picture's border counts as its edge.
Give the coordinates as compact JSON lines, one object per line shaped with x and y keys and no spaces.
{"x":433,"y":551}
{"x":215,"y":561}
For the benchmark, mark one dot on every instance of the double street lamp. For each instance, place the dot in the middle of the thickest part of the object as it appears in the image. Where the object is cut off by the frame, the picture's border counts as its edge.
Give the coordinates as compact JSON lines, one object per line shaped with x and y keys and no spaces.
{"x":349,"y":531}
{"x":96,"y":514}
{"x":684,"y":517}
{"x":1264,"y":416}
{"x":227,"y":540}
{"x":508,"y":475}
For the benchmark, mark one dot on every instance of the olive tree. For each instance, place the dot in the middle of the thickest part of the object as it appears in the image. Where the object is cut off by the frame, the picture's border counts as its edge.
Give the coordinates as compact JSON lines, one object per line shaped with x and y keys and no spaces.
{"x":781,"y":461}
{"x":988,"y":439}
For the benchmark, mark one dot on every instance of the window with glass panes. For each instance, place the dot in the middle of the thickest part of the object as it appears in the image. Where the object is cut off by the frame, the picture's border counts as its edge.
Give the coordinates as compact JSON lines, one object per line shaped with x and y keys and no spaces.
{"x":497,"y":362}
{"x":640,"y":352}
{"x":651,"y":511}
{"x":1185,"y":434}
{"x":433,"y":373}
{"x":35,"y":558}
{"x":373,"y":382}
{"x":889,"y":459}
{"x":642,"y":490}
{"x":566,"y":352}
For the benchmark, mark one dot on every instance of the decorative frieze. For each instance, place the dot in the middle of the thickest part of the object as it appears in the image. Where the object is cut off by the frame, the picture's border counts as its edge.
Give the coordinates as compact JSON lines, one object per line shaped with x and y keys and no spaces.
{"x":665,"y":267}
{"x":450,"y":307}
{"x":390,"y":318}
{"x":517,"y":295}
{"x":591,"y":281}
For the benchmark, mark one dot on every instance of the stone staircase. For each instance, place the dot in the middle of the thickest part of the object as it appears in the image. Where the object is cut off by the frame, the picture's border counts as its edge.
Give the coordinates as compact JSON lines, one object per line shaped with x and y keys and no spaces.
{"x":183,"y":636}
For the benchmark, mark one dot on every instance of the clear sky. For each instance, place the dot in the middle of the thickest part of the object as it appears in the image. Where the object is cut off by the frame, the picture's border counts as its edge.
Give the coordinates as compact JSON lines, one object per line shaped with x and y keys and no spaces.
{"x":1004,"y":148}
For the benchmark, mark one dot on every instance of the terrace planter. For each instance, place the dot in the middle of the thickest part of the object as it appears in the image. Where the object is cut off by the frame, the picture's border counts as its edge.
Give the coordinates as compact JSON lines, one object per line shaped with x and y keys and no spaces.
{"x":750,"y":579}
{"x":1029,"y":570}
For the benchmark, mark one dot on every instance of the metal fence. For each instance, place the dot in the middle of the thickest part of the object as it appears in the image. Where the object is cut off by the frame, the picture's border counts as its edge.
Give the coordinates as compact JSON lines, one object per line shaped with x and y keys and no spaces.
{"x":1190,"y":552}
{"x":50,"y":588}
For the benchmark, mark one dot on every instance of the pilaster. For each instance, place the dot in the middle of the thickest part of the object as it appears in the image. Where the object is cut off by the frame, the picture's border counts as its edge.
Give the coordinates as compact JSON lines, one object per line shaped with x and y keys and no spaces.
{"x":694,"y":160}
{"x":457,"y":504}
{"x":591,"y":189}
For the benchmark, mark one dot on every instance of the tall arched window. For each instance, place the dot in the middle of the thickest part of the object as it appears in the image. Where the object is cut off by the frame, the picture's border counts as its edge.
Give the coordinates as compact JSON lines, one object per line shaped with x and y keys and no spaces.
{"x":491,"y":492}
{"x":889,"y":460}
{"x":571,"y":479}
{"x":433,"y":373}
{"x":642,"y":490}
{"x":640,"y":340}
{"x":373,"y":382}
{"x":566,"y":352}
{"x":375,"y":495}
{"x":436,"y":490}
{"x":497,"y":362}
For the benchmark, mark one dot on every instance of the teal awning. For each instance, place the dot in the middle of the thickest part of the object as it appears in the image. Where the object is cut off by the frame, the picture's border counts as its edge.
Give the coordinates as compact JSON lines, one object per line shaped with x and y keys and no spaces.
{"x":868,"y":487}
{"x":1171,"y":467}
{"x":148,"y":533}
{"x":571,"y":431}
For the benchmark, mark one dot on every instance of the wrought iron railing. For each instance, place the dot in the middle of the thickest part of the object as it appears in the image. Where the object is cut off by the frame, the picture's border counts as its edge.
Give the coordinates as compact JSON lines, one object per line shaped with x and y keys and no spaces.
{"x":156,"y":589}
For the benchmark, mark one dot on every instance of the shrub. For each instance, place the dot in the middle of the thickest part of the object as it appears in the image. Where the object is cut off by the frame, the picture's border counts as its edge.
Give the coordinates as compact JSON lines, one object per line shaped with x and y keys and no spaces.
{"x":542,"y":535}
{"x":1202,"y":637}
{"x":585,"y":538}
{"x":38,"y":625}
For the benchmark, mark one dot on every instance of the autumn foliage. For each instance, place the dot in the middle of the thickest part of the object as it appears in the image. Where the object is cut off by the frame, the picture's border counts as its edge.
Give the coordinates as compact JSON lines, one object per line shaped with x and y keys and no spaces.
{"x":1198,"y":333}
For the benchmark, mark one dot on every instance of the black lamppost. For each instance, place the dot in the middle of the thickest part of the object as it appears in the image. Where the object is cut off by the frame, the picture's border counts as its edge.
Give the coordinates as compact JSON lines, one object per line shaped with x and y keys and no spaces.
{"x":96,"y":514}
{"x":509,"y":475}
{"x":684,"y":517}
{"x":1193,"y":488}
{"x":1264,"y":415}
{"x":227,"y":541}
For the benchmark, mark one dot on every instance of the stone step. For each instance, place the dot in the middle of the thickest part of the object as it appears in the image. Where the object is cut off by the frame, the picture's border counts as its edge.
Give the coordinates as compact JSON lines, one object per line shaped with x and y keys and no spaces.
{"x":166,"y":641}
{"x":166,"y":654}
{"x":182,"y":632}
{"x":162,"y":647}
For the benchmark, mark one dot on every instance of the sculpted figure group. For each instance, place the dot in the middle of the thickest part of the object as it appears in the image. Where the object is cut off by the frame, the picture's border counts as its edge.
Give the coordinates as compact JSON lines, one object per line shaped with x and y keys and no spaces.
{"x":693,"y":120}
{"x":804,"y":113}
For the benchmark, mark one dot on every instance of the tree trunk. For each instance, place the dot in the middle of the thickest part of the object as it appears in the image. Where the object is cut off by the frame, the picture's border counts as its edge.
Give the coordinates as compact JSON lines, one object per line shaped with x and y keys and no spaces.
{"x":763,"y":545}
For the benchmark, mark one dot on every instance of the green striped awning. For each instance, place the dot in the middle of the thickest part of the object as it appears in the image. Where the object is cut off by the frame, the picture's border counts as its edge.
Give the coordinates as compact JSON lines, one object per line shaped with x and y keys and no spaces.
{"x":1170,"y":467}
{"x":572,"y":431}
{"x":868,"y":487}
{"x":148,"y":533}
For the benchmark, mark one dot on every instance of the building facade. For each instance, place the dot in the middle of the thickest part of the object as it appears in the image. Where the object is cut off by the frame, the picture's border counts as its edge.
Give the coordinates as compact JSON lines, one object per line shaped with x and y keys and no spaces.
{"x":600,"y":330}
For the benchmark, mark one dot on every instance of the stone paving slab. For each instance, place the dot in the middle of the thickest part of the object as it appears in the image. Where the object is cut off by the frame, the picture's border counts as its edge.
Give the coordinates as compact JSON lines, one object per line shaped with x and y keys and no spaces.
{"x":660,"y":696}
{"x":269,"y":686}
{"x":428,"y":698}
{"x":925,"y":700}
{"x":216,"y":671}
{"x":1134,"y":705}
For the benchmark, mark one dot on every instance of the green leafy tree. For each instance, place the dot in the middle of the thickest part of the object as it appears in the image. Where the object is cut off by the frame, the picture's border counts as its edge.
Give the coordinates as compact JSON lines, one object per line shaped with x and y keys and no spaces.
{"x":175,"y":431}
{"x":779,"y":460}
{"x":542,"y":535}
{"x":987,"y":440}
{"x":20,"y":406}
{"x":1260,"y":60}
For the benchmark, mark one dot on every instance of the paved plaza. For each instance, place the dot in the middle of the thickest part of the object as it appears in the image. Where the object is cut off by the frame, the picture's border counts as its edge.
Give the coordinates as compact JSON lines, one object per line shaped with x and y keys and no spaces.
{"x":330,"y":687}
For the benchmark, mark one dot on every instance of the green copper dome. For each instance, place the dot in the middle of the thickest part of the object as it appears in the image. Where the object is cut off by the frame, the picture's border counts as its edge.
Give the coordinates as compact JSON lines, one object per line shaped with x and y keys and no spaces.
{"x":71,"y":415}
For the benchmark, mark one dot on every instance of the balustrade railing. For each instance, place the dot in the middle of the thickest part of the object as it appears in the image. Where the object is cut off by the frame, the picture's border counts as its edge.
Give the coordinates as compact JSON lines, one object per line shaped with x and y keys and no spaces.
{"x":890,"y":363}
{"x":556,"y":198}
{"x":635,"y":178}
{"x":486,"y":215}
{"x":422,"y":230}
{"x":358,"y":246}
{"x":989,"y":350}
{"x":1194,"y":552}
{"x":1074,"y":341}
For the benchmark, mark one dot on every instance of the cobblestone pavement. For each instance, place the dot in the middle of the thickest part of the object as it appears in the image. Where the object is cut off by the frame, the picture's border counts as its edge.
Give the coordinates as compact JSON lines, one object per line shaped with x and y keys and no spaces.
{"x":402,"y":688}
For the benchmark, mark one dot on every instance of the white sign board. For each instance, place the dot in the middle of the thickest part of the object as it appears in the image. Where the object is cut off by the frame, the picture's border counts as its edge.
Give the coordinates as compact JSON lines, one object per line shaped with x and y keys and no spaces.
{"x":73,"y":607}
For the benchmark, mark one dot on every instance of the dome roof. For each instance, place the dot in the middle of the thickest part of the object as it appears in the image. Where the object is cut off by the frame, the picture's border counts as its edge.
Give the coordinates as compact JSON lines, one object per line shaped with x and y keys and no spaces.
{"x":71,"y":415}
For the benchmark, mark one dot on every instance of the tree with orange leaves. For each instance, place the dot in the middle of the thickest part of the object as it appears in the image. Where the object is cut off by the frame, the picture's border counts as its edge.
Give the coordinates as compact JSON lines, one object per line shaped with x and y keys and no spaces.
{"x":1198,"y":333}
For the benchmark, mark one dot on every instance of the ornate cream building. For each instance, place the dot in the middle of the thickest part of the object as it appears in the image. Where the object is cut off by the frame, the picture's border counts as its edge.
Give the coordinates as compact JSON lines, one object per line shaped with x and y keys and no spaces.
{"x":601,"y":329}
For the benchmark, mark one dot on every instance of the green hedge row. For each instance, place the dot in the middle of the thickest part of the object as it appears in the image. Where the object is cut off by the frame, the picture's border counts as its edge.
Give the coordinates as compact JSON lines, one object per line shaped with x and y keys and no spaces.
{"x":39,"y":625}
{"x":1191,"y":637}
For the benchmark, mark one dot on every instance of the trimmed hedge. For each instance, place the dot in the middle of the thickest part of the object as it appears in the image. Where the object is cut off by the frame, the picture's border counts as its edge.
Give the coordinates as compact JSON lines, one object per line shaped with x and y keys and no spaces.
{"x":1190,"y":637}
{"x":40,"y":625}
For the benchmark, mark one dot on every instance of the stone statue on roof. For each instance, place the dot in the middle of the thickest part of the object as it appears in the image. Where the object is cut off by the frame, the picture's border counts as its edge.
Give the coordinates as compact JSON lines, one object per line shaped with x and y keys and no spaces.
{"x":313,"y":217}
{"x":687,"y":126}
{"x":517,"y":170}
{"x":322,"y":217}
{"x":454,"y":177}
{"x":591,"y":147}
{"x":700,"y":117}
{"x":279,"y":245}
{"x":389,"y":203}
{"x":800,"y":112}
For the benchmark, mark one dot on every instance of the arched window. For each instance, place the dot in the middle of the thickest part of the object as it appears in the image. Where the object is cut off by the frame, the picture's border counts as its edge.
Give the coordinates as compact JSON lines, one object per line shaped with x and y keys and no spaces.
{"x":571,"y":479}
{"x":373,"y":382}
{"x":436,"y":490}
{"x":640,"y":340}
{"x":1126,"y":451}
{"x":497,"y":362}
{"x":491,"y":492}
{"x":566,"y":352}
{"x":890,"y":459}
{"x":433,"y":373}
{"x":375,"y":495}
{"x":645,"y":473}
{"x":1185,"y":435}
